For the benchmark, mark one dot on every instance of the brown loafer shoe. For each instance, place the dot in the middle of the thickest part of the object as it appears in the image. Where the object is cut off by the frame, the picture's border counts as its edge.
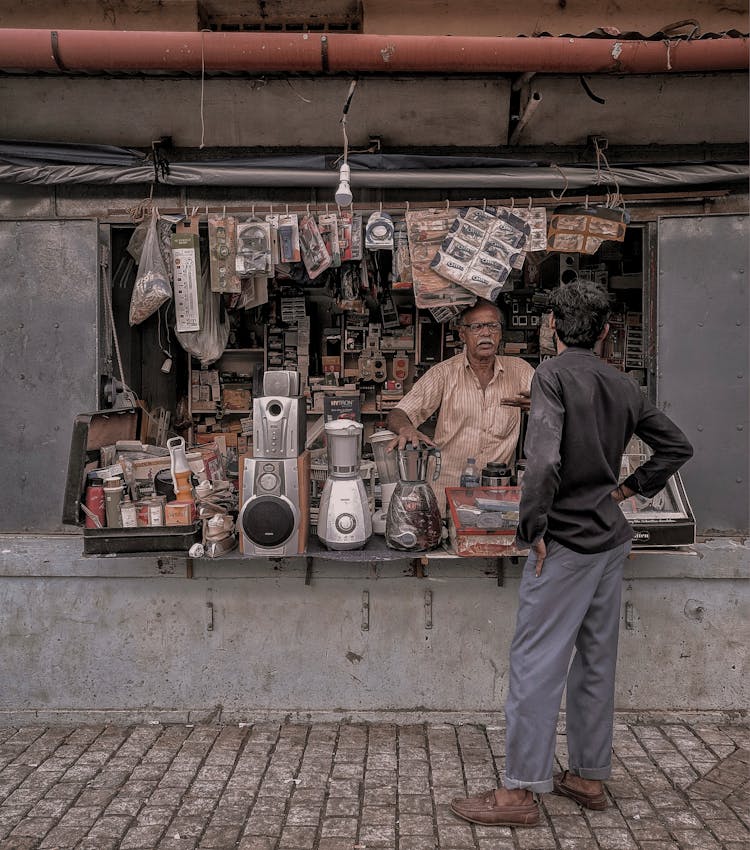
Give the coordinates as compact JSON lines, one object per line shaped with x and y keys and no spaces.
{"x":597,"y":801}
{"x":488,"y":810}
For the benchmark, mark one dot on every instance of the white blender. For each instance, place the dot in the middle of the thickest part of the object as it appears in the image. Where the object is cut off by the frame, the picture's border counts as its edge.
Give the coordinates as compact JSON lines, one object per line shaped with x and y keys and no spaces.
{"x":387,"y":466}
{"x":344,"y":520}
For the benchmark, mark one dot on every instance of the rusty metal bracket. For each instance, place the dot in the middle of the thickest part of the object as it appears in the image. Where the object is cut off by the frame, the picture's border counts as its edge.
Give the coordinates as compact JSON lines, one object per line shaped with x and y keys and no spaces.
{"x":365,"y":611}
{"x":500,"y":571}
{"x":428,"y":609}
{"x":419,"y":566}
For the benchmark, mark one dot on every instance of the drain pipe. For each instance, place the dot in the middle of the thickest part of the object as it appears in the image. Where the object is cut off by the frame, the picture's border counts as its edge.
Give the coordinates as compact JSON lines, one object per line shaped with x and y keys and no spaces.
{"x":529,"y":110}
{"x":92,"y":51}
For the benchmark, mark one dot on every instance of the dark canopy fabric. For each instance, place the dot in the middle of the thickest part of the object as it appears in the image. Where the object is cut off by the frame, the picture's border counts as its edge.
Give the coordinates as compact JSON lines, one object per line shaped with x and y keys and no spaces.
{"x":58,"y":164}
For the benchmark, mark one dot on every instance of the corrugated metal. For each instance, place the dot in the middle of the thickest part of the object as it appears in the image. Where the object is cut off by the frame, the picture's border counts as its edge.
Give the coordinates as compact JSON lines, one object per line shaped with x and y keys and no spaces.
{"x":48,"y":366}
{"x":702,"y":366}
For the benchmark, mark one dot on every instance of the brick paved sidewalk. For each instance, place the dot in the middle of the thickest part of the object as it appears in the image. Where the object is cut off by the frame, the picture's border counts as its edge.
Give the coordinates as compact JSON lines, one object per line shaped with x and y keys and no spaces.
{"x":269,"y":786}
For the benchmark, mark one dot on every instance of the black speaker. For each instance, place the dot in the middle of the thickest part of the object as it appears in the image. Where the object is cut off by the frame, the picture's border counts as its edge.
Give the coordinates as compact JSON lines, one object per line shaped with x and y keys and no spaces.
{"x":274,"y":516}
{"x":568,"y":268}
{"x":429,"y":340}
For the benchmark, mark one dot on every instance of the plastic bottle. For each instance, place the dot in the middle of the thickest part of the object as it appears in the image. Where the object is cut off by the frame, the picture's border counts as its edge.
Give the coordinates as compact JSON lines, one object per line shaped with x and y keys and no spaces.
{"x":181,"y":473}
{"x":470,"y":476}
{"x":94,"y":501}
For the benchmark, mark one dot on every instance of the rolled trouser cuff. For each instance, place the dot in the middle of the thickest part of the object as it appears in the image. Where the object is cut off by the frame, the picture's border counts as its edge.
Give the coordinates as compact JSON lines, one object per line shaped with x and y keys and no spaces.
{"x":600,"y":773}
{"x":543,"y":786}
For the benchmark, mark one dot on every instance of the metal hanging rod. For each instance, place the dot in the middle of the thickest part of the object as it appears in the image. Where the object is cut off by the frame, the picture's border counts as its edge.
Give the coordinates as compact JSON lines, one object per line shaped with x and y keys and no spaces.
{"x":202,"y":211}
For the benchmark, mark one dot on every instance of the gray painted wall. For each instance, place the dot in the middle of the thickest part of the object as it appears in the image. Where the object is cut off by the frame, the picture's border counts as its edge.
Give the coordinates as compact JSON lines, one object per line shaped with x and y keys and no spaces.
{"x":134,"y":638}
{"x":429,"y":111}
{"x":702,"y":345}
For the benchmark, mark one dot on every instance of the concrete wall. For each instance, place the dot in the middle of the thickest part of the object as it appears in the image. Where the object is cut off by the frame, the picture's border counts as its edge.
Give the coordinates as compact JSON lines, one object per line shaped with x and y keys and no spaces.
{"x":108,"y":639}
{"x":402,"y":112}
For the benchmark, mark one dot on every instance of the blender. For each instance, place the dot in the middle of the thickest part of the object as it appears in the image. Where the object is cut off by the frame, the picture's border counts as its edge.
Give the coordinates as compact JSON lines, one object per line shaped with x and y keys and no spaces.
{"x":344,"y":520}
{"x":387,"y":466}
{"x":414,"y":522}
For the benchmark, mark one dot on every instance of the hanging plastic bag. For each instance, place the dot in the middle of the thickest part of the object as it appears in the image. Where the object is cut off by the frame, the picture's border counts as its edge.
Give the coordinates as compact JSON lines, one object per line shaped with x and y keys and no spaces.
{"x":152,"y":287}
{"x":207,"y":344}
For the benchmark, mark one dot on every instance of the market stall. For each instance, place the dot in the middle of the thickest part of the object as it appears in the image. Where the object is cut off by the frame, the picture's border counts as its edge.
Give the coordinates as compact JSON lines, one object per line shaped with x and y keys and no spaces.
{"x":286,"y":335}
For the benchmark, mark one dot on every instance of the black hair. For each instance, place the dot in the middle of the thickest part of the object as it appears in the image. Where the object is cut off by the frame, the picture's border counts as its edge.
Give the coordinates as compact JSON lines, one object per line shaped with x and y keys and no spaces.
{"x":482,"y":302}
{"x":581,"y":310}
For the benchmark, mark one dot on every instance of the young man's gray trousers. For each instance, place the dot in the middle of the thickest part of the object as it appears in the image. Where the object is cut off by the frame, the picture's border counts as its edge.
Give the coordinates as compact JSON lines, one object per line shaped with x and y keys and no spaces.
{"x":574,"y":603}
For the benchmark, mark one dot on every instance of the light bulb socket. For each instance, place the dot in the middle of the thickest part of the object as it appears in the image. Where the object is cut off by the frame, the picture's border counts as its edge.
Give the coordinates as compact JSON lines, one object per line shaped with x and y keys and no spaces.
{"x":343,"y":195}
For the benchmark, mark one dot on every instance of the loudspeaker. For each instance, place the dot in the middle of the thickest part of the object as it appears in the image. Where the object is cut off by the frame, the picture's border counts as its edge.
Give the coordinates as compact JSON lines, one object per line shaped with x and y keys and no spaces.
{"x":279,"y":426}
{"x":280,"y":382}
{"x":275,"y":512}
{"x":429,"y":340}
{"x":568,"y":268}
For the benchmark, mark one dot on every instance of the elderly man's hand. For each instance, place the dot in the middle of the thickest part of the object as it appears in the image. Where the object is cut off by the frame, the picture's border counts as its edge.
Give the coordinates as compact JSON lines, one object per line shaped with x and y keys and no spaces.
{"x":522,"y":400}
{"x":409,"y":434}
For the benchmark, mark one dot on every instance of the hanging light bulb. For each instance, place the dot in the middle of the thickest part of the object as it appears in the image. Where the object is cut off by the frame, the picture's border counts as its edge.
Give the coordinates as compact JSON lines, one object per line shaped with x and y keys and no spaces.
{"x":344,"y":192}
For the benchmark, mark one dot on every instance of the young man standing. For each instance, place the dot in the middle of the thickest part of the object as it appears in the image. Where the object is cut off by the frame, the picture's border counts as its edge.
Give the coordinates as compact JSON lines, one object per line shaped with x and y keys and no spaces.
{"x":583,"y":413}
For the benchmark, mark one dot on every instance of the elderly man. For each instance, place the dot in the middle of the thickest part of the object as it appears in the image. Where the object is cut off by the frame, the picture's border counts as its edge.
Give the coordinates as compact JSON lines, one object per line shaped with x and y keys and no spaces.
{"x":478,"y":394}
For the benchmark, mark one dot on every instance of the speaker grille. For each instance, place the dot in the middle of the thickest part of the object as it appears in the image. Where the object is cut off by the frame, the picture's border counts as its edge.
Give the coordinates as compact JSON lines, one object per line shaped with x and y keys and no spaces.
{"x":268,"y":521}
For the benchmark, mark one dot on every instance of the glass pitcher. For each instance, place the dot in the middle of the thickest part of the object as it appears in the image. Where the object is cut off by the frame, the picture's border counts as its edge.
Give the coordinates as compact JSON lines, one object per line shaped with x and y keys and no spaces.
{"x":414,"y":522}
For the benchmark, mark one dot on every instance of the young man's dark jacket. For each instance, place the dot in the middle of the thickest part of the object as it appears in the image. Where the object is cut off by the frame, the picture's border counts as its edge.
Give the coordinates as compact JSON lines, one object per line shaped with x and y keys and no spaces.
{"x":583,"y":413}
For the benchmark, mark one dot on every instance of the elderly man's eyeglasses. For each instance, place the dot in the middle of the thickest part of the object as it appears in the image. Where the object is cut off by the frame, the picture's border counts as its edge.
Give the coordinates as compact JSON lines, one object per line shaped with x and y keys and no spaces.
{"x":476,"y":327}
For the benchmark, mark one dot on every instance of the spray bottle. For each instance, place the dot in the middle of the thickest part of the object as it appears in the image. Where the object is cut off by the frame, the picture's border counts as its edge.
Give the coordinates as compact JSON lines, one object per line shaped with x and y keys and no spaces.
{"x":181,"y":472}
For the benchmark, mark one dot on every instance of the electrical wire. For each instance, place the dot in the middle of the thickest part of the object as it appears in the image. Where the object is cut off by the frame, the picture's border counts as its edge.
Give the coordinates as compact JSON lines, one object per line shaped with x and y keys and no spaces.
{"x":203,"y":80}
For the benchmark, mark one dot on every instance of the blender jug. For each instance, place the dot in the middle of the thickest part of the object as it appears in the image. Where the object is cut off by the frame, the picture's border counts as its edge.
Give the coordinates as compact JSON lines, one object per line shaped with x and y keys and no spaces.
{"x":387,"y":466}
{"x":344,"y":520}
{"x":414,"y":521}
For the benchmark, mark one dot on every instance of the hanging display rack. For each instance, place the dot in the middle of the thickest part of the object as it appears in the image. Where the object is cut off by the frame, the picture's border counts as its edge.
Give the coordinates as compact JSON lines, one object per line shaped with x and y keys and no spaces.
{"x":400,"y":207}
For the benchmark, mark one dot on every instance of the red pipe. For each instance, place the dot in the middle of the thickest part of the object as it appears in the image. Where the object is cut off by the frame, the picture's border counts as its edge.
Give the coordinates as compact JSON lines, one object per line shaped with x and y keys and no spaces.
{"x":93,"y":51}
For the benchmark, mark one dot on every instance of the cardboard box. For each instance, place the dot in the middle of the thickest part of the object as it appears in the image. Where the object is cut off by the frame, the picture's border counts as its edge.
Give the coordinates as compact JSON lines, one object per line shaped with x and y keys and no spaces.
{"x":236,"y":398}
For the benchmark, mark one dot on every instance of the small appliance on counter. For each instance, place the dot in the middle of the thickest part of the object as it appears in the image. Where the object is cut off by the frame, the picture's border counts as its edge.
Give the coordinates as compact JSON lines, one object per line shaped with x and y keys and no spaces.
{"x":98,"y":498}
{"x":482,"y":521}
{"x":386,"y":463}
{"x":344,"y":520}
{"x":413,"y":522}
{"x":275,"y":482}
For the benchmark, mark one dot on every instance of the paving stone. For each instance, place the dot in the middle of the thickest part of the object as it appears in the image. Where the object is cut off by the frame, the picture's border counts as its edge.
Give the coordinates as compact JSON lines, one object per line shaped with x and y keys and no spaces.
{"x":615,"y":839}
{"x":139,"y":837}
{"x":362,"y":785}
{"x":19,"y":843}
{"x":342,"y":806}
{"x":537,"y":838}
{"x":339,"y":828}
{"x":577,"y":843}
{"x":173,"y":844}
{"x":220,"y":837}
{"x":378,"y":815}
{"x":571,"y":826}
{"x":257,"y":843}
{"x":694,"y":839}
{"x":415,"y":824}
{"x":297,"y":838}
{"x":335,"y":844}
{"x":186,"y":827}
{"x":34,"y":827}
{"x":383,"y":796}
{"x":422,"y":842}
{"x":377,"y":836}
{"x":729,"y":830}
{"x":415,"y":804}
